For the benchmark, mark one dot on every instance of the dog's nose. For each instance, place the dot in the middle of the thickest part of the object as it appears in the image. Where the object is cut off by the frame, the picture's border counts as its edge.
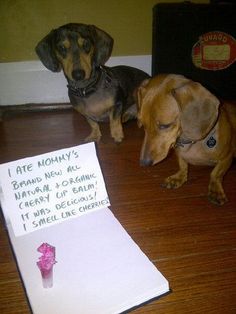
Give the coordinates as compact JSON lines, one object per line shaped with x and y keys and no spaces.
{"x":146,"y":162}
{"x":78,"y":75}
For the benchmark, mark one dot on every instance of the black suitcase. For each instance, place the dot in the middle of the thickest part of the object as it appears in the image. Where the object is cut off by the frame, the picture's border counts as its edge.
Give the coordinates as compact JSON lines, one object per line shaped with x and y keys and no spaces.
{"x":198,"y":41}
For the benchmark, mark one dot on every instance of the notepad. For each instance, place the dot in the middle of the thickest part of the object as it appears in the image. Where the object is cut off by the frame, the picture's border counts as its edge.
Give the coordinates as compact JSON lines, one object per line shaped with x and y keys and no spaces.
{"x":99,"y":268}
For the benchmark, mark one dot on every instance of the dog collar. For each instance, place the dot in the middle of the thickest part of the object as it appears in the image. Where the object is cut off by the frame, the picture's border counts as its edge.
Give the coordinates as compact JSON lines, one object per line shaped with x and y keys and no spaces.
{"x":210,"y":141}
{"x":92,"y":87}
{"x":180,"y":142}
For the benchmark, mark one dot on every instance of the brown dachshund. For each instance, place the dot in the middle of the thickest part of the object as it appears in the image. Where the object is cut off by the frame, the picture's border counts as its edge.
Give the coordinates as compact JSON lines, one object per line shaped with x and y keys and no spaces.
{"x":99,"y":93}
{"x":177,"y":112}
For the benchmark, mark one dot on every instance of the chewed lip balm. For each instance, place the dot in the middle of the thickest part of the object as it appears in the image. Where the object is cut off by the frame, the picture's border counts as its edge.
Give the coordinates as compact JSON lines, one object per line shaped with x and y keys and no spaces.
{"x":46,"y":263}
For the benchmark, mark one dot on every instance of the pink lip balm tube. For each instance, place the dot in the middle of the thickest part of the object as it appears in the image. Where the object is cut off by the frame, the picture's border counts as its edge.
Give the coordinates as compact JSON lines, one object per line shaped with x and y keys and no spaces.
{"x":46,"y":263}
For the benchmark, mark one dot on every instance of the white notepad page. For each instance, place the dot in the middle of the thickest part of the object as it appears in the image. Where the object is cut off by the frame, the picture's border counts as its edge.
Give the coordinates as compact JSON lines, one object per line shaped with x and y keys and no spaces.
{"x":99,"y":269}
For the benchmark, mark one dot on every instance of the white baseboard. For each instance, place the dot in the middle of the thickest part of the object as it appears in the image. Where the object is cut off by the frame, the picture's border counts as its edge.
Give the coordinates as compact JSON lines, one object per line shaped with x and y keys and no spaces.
{"x":30,"y":82}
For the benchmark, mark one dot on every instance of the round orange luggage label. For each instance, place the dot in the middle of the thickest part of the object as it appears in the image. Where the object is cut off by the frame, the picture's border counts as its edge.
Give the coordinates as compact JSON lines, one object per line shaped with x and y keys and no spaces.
{"x":214,"y":51}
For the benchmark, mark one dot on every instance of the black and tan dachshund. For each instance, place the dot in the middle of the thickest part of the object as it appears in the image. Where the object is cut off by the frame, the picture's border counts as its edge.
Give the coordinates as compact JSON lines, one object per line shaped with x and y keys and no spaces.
{"x":99,"y":93}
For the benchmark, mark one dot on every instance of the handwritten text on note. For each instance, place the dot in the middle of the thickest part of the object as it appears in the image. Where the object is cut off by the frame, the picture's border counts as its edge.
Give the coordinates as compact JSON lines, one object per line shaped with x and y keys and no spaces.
{"x":40,"y":191}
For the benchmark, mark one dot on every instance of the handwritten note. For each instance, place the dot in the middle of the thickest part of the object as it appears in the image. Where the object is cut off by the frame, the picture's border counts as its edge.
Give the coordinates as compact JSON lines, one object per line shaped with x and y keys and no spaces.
{"x":40,"y":191}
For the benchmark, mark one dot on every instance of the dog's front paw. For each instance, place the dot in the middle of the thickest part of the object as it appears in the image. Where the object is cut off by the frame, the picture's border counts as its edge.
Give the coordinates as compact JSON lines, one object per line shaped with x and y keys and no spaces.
{"x":175,"y":181}
{"x":117,"y":134}
{"x":118,"y":139}
{"x":216,"y":194}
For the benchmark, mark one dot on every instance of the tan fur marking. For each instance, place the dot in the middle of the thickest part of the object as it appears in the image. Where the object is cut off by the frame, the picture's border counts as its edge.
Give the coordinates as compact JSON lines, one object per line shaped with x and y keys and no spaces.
{"x":86,"y":63}
{"x":116,"y":129}
{"x":67,"y":64}
{"x":85,"y":59}
{"x":97,"y":109}
{"x":80,"y":42}
{"x":66,"y":43}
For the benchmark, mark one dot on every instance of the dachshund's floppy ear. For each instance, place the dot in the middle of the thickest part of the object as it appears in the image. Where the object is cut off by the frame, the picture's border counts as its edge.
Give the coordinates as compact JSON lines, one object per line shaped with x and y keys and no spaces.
{"x":46,"y":54}
{"x":103,"y":46}
{"x":141,"y":91}
{"x":198,"y":110}
{"x":139,"y":98}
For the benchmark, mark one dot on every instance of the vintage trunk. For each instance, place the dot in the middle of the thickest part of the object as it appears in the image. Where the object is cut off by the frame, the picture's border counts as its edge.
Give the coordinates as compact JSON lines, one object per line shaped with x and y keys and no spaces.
{"x":198,"y":41}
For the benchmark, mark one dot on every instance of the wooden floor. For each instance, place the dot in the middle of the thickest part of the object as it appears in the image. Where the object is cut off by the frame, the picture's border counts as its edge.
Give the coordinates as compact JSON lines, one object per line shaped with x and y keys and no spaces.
{"x":192,"y":242}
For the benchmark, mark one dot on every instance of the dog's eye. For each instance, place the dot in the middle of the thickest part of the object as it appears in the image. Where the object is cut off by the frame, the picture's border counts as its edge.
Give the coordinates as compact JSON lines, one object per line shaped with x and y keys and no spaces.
{"x":164,"y":126}
{"x":62,"y":49}
{"x":87,"y":45}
